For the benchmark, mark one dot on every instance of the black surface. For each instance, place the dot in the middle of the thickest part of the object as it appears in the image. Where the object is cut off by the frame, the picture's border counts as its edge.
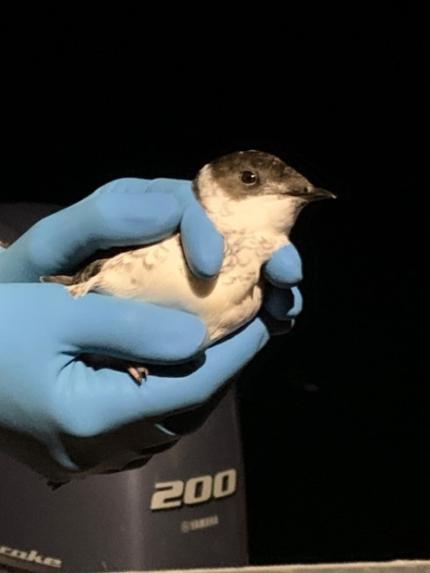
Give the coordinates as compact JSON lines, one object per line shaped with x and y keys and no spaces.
{"x":335,"y":415}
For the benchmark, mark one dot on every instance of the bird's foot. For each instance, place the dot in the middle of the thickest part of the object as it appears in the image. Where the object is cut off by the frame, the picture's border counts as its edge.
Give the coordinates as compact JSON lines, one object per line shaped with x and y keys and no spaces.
{"x":80,"y":289}
{"x":138,"y":373}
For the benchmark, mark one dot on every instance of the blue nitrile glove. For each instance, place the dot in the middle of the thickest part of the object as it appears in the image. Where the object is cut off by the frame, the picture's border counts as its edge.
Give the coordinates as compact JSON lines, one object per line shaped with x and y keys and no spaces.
{"x":123,"y":212}
{"x":66,"y":419}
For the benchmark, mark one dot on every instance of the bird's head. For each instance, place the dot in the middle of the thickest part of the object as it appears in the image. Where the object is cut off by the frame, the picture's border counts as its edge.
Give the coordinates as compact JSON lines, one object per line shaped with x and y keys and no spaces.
{"x":257,"y":188}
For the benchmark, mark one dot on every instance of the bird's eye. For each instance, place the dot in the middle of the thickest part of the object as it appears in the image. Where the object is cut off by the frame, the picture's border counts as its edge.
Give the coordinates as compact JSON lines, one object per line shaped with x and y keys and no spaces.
{"x":249,"y":177}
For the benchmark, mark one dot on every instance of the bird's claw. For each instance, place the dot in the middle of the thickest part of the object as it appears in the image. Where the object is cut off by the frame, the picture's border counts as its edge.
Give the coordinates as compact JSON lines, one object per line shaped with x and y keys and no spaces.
{"x":138,"y":373}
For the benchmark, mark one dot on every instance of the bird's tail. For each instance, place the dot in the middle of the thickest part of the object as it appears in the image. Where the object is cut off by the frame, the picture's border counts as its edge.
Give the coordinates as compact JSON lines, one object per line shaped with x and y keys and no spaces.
{"x":61,"y":279}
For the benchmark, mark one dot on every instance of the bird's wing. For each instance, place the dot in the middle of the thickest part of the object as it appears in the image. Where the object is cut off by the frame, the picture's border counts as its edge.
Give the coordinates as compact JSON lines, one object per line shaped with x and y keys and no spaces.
{"x":88,"y":268}
{"x":81,"y":276}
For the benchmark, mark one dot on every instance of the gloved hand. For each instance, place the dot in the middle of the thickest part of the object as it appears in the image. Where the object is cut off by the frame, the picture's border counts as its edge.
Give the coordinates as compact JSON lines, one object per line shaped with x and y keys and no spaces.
{"x":123,"y":212}
{"x":66,"y":419}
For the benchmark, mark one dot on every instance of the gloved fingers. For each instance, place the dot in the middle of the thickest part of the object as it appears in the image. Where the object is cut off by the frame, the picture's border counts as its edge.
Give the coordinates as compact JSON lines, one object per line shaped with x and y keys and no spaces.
{"x":181,"y":189}
{"x":95,"y":401}
{"x":283,"y":304}
{"x":276,"y":327}
{"x":284,"y":269}
{"x":123,"y":212}
{"x":221,"y":362}
{"x":203,"y":244}
{"x":282,"y":301}
{"x":120,"y":185}
{"x":126,"y":212}
{"x":128,"y":329}
{"x":118,"y":217}
{"x":127,"y":447}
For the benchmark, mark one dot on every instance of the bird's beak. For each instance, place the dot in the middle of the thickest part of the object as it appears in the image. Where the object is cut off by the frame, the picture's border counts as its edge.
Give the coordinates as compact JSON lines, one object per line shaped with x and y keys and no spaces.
{"x":308,"y":193}
{"x":317,"y":193}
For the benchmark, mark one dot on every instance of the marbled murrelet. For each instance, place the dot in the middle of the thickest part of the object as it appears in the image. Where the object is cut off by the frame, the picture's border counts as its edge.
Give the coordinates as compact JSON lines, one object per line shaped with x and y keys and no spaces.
{"x":253,"y":198}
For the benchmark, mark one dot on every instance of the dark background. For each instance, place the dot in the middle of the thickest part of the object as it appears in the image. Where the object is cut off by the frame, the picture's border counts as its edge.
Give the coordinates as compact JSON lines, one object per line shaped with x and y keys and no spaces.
{"x":335,"y":415}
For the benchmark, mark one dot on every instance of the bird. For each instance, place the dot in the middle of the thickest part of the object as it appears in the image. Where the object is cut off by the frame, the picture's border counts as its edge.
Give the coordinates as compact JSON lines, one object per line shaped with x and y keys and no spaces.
{"x":253,"y":198}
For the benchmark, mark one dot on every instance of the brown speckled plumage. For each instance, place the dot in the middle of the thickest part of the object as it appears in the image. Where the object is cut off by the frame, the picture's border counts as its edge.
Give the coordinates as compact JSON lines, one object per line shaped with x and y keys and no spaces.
{"x":253,"y":198}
